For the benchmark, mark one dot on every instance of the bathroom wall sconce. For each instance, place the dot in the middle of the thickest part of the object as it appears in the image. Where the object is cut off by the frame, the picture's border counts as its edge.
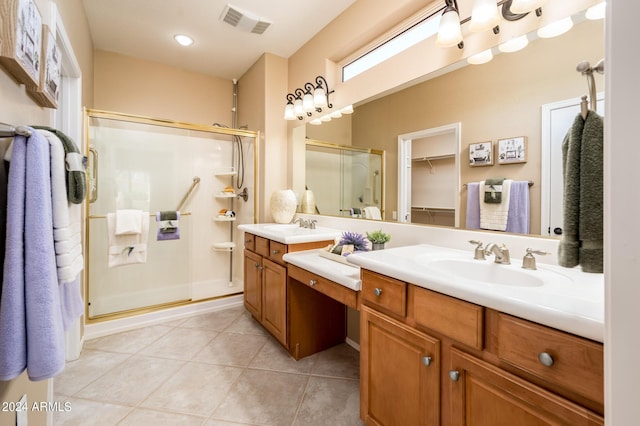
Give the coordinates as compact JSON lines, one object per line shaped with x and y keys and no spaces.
{"x":484,"y":16}
{"x":306,"y":101}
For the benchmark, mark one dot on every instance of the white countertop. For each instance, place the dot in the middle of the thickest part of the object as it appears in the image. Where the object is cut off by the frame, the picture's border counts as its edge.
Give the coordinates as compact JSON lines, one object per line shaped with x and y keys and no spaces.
{"x":346,"y":275}
{"x":290,"y":233}
{"x":573,"y":302}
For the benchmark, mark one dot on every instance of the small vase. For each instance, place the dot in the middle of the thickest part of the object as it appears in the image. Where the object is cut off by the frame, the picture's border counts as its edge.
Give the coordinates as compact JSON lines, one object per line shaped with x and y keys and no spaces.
{"x":377,"y":246}
{"x":308,"y":202}
{"x":283,"y":205}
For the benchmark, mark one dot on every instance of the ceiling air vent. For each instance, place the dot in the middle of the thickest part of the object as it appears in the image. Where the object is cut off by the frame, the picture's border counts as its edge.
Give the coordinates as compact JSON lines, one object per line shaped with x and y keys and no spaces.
{"x":243,"y":20}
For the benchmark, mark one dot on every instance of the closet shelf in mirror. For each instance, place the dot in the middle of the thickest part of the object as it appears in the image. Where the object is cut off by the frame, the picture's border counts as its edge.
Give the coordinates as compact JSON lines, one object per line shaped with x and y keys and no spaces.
{"x":433,"y":158}
{"x":434,"y":209}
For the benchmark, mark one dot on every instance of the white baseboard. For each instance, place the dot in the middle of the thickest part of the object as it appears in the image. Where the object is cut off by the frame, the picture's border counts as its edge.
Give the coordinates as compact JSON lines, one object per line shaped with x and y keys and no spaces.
{"x":353,"y":344}
{"x":99,"y":329}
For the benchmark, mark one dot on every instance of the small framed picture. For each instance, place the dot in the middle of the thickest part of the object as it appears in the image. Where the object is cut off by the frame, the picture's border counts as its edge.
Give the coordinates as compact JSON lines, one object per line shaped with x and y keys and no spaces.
{"x":46,"y":93}
{"x":512,"y":150}
{"x":481,"y":154}
{"x":22,"y":41}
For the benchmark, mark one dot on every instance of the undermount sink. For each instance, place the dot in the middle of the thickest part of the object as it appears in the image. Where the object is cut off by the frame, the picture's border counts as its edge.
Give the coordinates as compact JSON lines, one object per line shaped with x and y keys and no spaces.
{"x":486,"y":272}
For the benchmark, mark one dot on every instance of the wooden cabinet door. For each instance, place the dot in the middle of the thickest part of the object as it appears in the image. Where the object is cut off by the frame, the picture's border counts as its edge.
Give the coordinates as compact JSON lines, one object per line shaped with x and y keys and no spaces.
{"x":399,"y":373}
{"x":253,"y":283}
{"x":485,"y":395}
{"x":274,"y":299}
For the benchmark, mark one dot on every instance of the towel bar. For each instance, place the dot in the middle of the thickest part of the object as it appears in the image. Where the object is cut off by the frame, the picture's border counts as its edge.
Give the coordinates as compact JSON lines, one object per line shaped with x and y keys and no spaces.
{"x":464,"y":185}
{"x":104,"y":216}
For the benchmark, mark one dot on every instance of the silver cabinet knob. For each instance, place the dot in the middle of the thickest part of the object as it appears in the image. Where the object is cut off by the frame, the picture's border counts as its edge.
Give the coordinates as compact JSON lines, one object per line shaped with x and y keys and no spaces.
{"x":545,"y":359}
{"x":274,"y":251}
{"x":247,"y":241}
{"x":426,"y":360}
{"x":257,"y":265}
{"x":454,"y":375}
{"x":377,"y":291}
{"x":312,"y":282}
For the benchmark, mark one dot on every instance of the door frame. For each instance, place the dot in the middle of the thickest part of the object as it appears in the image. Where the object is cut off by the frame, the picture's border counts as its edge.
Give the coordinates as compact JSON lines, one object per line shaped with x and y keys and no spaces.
{"x":404,"y":167}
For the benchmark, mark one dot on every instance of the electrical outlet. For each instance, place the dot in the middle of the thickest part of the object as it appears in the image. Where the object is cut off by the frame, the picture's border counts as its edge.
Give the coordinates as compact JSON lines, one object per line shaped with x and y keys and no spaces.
{"x":394,"y":215}
{"x":22,"y":418}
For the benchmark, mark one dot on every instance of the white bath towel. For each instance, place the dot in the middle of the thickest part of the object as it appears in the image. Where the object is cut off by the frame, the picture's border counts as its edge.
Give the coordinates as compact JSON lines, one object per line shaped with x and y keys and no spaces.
{"x":494,"y":216}
{"x":65,"y":216}
{"x":129,"y":221}
{"x":372,"y":212}
{"x":130,"y":248}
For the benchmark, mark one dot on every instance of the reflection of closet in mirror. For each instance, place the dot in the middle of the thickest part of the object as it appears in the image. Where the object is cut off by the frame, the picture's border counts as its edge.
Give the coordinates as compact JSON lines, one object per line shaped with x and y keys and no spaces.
{"x":344,"y":179}
{"x":429,"y":191}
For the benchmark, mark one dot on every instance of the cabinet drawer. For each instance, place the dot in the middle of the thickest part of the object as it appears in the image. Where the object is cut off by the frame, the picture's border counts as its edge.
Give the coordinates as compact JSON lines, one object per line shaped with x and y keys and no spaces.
{"x":385,"y":293}
{"x":342,"y":294}
{"x":249,"y":241}
{"x":460,"y":320}
{"x":262,"y":246}
{"x":574,"y":363}
{"x":276,"y":251}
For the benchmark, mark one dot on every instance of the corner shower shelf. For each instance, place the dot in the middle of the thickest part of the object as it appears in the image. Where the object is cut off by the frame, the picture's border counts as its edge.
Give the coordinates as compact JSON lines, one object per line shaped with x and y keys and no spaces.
{"x":225,"y":195}
{"x":225,"y":171}
{"x":225,"y":246}
{"x":224,"y":219}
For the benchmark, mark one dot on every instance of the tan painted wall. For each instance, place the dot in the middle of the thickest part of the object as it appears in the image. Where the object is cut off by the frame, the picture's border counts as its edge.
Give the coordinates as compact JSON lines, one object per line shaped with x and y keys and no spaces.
{"x":496,"y":100}
{"x":139,"y":87}
{"x":18,"y":108}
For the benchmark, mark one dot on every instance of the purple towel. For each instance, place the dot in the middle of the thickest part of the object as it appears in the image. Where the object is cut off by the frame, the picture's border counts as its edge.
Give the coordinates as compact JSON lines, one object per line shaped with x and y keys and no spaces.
{"x":473,"y":205}
{"x":518,"y":216}
{"x":31,"y":325}
{"x":13,"y":322}
{"x":168,"y":229}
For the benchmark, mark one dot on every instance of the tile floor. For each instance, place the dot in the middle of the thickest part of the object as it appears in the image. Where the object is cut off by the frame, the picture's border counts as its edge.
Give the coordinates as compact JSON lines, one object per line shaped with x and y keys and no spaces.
{"x":213,"y":369}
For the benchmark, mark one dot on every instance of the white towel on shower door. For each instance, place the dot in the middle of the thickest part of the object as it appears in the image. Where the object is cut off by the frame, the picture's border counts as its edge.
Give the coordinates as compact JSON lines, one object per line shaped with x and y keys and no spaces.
{"x":130,"y":248}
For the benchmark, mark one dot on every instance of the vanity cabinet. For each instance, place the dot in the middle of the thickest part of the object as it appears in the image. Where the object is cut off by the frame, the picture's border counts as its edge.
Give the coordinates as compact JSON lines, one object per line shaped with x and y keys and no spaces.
{"x":265,"y":282}
{"x":428,"y":359}
{"x":399,"y":373}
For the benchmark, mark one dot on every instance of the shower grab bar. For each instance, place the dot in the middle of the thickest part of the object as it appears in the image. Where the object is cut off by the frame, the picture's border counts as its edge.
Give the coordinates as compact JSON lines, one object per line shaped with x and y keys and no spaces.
{"x":104,"y":216}
{"x":196,"y":181}
{"x":94,"y":175}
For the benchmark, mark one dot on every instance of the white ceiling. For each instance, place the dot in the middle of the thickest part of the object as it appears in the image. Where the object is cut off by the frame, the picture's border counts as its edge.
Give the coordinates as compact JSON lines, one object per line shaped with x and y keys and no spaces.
{"x":145,"y":29}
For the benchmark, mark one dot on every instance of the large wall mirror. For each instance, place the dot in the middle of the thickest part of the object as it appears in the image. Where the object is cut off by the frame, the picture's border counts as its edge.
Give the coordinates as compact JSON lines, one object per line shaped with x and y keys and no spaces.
{"x":502,"y":99}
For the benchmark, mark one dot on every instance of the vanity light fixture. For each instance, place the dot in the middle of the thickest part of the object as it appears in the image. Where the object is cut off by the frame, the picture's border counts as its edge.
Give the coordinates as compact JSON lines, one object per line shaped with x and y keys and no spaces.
{"x":556,"y":28}
{"x":305,"y":101}
{"x":597,"y":12}
{"x":525,"y":6}
{"x":481,"y":58}
{"x":515,"y":44}
{"x":449,"y":32}
{"x":347,"y":110}
{"x":484,"y":15}
{"x":316,"y":122}
{"x":183,"y":40}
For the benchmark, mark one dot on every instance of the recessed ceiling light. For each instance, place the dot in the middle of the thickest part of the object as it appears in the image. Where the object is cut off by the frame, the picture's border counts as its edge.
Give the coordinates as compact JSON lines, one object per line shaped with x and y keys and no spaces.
{"x":183,"y":39}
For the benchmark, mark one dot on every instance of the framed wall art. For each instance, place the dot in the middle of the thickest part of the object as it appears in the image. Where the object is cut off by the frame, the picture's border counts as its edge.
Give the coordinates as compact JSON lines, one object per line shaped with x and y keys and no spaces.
{"x":20,"y":52}
{"x":481,"y":154}
{"x":512,"y":150}
{"x":46,"y":93}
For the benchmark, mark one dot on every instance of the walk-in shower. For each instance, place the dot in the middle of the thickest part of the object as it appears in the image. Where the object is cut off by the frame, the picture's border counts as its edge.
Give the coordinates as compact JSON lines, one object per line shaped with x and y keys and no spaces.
{"x":154,"y":166}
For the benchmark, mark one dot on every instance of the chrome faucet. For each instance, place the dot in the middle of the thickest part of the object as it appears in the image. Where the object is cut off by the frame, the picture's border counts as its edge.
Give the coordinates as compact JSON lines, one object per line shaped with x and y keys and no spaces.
{"x":501,"y":253}
{"x":300,"y":221}
{"x":312,"y":224}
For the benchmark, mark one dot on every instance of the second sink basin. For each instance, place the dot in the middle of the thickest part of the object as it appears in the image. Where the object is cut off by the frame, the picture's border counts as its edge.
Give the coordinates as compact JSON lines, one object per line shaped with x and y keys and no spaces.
{"x":486,"y":272}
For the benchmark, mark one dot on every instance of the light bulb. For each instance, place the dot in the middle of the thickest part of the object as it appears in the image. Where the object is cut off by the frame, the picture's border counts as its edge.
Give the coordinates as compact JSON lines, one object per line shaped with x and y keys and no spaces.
{"x":555,"y":29}
{"x":515,"y":44}
{"x":597,"y":12}
{"x":524,"y":6}
{"x":484,"y":15}
{"x":449,"y":33}
{"x":480,"y":58}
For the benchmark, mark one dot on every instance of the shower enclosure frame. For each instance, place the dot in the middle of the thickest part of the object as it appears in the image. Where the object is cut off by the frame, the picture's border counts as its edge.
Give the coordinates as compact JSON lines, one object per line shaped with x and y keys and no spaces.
{"x":131,"y":118}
